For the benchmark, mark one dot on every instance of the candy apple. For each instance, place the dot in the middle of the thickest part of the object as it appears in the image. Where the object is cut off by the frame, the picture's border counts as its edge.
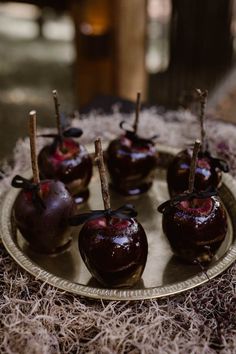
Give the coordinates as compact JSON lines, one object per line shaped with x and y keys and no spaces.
{"x":43,"y":220}
{"x":195,"y":228}
{"x":131,"y":160}
{"x":208,"y":174}
{"x":112,"y":243}
{"x":42,"y":208}
{"x":131,"y":164}
{"x":67,"y":160}
{"x":70,"y":163}
{"x":194,"y":222}
{"x":114,"y":250}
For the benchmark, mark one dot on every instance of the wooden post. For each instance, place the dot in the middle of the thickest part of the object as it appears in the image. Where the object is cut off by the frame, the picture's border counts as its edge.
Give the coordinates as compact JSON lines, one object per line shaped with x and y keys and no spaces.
{"x":130,"y":47}
{"x":110,"y":47}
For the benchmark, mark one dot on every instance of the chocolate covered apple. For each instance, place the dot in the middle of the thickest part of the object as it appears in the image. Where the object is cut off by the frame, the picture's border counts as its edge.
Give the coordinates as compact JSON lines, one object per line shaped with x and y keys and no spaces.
{"x":42,"y":208}
{"x":67,"y":160}
{"x":195,"y":223}
{"x":208,"y":169}
{"x":112,"y":243}
{"x":131,"y":160}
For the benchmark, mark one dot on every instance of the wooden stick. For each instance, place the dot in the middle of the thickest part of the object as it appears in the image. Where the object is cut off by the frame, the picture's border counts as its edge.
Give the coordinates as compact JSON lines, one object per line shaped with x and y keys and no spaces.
{"x":32,"y":134}
{"x":137,"y":111}
{"x":203,"y":101}
{"x":193,"y":166}
{"x":103,"y":175}
{"x":58,"y":119}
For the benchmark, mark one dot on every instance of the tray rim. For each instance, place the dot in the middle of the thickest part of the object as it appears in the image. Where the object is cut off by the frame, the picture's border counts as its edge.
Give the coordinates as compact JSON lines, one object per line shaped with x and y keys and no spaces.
{"x":109,"y":294}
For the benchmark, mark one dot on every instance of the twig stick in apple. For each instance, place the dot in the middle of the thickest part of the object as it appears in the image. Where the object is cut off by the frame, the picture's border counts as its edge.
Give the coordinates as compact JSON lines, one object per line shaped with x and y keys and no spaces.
{"x":58,"y":119}
{"x":193,"y":166}
{"x":32,"y":134}
{"x":102,"y":172}
{"x":137,"y":111}
{"x":203,"y":100}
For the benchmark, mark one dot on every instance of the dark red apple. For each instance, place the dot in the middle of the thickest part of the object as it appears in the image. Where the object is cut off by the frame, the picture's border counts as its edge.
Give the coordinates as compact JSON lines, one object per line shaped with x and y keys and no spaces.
{"x":114,"y":250}
{"x":195,"y":228}
{"x":112,"y":243}
{"x":43,"y":219}
{"x":208,"y":172}
{"x":69,"y":162}
{"x":131,"y":162}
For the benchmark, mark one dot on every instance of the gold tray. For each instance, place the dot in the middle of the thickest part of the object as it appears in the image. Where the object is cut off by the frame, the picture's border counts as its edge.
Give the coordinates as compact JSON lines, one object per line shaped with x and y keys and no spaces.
{"x":164,"y":274}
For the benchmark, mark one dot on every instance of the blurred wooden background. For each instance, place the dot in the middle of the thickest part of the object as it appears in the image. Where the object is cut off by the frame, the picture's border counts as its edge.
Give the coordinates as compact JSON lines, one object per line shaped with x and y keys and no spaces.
{"x":86,"y":48}
{"x":110,"y":39}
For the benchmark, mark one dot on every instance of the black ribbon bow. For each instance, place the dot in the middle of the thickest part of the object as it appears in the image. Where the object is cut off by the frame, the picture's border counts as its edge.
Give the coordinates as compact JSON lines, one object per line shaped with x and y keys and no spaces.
{"x":166,"y":206}
{"x":68,"y":133}
{"x":125,"y":212}
{"x":27,"y":185}
{"x":217,"y":163}
{"x":130,"y":134}
{"x":73,"y":132}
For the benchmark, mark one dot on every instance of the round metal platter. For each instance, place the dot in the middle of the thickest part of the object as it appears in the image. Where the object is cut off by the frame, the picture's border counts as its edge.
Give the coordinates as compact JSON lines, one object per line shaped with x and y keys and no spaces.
{"x":164,"y":274}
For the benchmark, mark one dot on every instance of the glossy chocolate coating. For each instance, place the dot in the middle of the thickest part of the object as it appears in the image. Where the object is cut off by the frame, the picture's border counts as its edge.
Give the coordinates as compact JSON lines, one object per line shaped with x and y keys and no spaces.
{"x":206,"y":176}
{"x":70,"y":163}
{"x":196,"y":232}
{"x":46,"y":230}
{"x":114,"y":251}
{"x":131,"y":165}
